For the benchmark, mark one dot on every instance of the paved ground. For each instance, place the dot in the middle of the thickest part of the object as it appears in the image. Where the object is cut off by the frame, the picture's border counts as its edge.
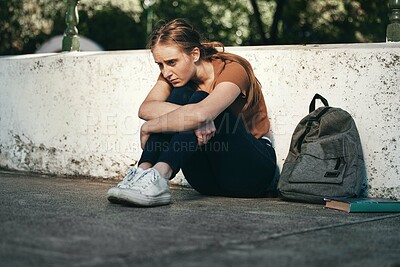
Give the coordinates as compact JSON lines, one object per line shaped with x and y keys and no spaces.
{"x":50,"y":221}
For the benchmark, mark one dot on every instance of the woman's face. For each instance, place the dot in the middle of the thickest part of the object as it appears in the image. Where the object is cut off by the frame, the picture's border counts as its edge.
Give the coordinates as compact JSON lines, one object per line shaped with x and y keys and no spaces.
{"x":175,"y":65}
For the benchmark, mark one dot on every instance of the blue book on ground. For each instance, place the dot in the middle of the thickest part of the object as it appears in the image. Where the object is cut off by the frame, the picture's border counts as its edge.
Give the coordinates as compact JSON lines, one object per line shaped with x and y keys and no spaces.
{"x":362,"y":204}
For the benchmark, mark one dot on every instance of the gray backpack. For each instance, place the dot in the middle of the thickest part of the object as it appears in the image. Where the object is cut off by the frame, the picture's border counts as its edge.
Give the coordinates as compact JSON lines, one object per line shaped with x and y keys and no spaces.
{"x":325,"y":157}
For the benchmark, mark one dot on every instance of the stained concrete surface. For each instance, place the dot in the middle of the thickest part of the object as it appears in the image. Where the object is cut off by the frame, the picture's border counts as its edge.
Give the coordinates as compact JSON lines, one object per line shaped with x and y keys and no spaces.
{"x":55,"y":221}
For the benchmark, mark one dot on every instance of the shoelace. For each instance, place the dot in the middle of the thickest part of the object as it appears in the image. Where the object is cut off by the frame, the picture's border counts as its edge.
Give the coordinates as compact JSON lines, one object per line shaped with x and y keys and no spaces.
{"x":144,"y":183}
{"x":128,"y":177}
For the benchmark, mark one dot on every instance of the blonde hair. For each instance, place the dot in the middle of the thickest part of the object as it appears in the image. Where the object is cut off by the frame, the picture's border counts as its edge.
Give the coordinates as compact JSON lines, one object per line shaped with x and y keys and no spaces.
{"x":182,"y":34}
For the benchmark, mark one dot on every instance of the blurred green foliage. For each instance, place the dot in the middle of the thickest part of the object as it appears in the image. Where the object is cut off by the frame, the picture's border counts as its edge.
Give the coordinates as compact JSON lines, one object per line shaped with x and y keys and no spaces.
{"x":117,"y":25}
{"x":334,"y":21}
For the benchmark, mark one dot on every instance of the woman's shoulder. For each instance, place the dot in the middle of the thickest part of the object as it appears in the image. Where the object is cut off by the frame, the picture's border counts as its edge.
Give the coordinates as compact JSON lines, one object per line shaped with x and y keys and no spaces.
{"x":228,"y":67}
{"x":226,"y":62}
{"x":231,"y":71}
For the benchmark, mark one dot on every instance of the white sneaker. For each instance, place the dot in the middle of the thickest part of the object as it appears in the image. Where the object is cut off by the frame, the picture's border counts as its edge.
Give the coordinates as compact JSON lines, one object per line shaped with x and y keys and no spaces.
{"x":130,"y":177}
{"x":114,"y":192}
{"x":149,"y":189}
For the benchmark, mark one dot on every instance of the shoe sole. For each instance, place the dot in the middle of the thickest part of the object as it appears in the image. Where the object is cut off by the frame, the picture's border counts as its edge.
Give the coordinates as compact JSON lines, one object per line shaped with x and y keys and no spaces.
{"x":131,"y":197}
{"x":113,"y":195}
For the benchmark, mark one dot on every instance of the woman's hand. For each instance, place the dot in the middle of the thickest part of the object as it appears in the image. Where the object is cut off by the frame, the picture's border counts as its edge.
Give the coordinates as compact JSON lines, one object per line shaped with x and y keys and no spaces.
{"x":205,"y":133}
{"x":144,"y":135}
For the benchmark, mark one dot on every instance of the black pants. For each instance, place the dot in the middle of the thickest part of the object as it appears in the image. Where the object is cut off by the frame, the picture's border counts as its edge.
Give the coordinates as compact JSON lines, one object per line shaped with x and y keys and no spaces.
{"x":233,"y":163}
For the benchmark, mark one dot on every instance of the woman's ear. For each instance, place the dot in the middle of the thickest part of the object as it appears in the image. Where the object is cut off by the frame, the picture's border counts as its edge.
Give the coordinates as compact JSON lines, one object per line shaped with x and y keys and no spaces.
{"x":195,"y":54}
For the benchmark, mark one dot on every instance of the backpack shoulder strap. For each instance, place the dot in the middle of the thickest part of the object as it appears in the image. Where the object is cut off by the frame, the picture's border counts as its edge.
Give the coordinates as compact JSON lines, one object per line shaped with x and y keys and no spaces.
{"x":308,"y":127}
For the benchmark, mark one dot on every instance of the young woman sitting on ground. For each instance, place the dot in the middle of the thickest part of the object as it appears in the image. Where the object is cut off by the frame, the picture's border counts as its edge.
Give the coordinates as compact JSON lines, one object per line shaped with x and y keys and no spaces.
{"x":205,"y":115}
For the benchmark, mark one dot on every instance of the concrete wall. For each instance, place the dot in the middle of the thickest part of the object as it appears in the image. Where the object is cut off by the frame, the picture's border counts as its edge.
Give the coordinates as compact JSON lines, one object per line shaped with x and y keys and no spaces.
{"x":76,"y":113}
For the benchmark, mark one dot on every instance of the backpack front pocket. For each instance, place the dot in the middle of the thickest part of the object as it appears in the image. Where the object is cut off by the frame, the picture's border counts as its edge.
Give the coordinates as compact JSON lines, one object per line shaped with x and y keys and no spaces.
{"x":310,"y":169}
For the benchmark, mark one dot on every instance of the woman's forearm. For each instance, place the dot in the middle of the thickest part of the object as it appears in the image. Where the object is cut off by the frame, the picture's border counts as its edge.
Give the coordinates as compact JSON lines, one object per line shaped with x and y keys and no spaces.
{"x":184,"y":118}
{"x":150,"y":110}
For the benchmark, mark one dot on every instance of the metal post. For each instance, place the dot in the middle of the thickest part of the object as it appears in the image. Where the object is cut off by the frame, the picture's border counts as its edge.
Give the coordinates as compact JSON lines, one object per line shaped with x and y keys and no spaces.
{"x":70,"y":41}
{"x":393,"y":29}
{"x":149,"y":20}
{"x":147,"y":4}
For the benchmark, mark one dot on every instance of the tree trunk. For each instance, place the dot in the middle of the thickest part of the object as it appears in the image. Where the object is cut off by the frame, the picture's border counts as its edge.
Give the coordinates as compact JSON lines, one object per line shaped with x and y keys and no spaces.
{"x":277,"y":17}
{"x":257,"y":17}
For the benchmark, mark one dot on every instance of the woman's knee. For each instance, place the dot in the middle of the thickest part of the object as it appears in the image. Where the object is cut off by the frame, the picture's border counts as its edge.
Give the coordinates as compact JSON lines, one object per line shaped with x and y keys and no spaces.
{"x":197,"y":96}
{"x":181,"y":95}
